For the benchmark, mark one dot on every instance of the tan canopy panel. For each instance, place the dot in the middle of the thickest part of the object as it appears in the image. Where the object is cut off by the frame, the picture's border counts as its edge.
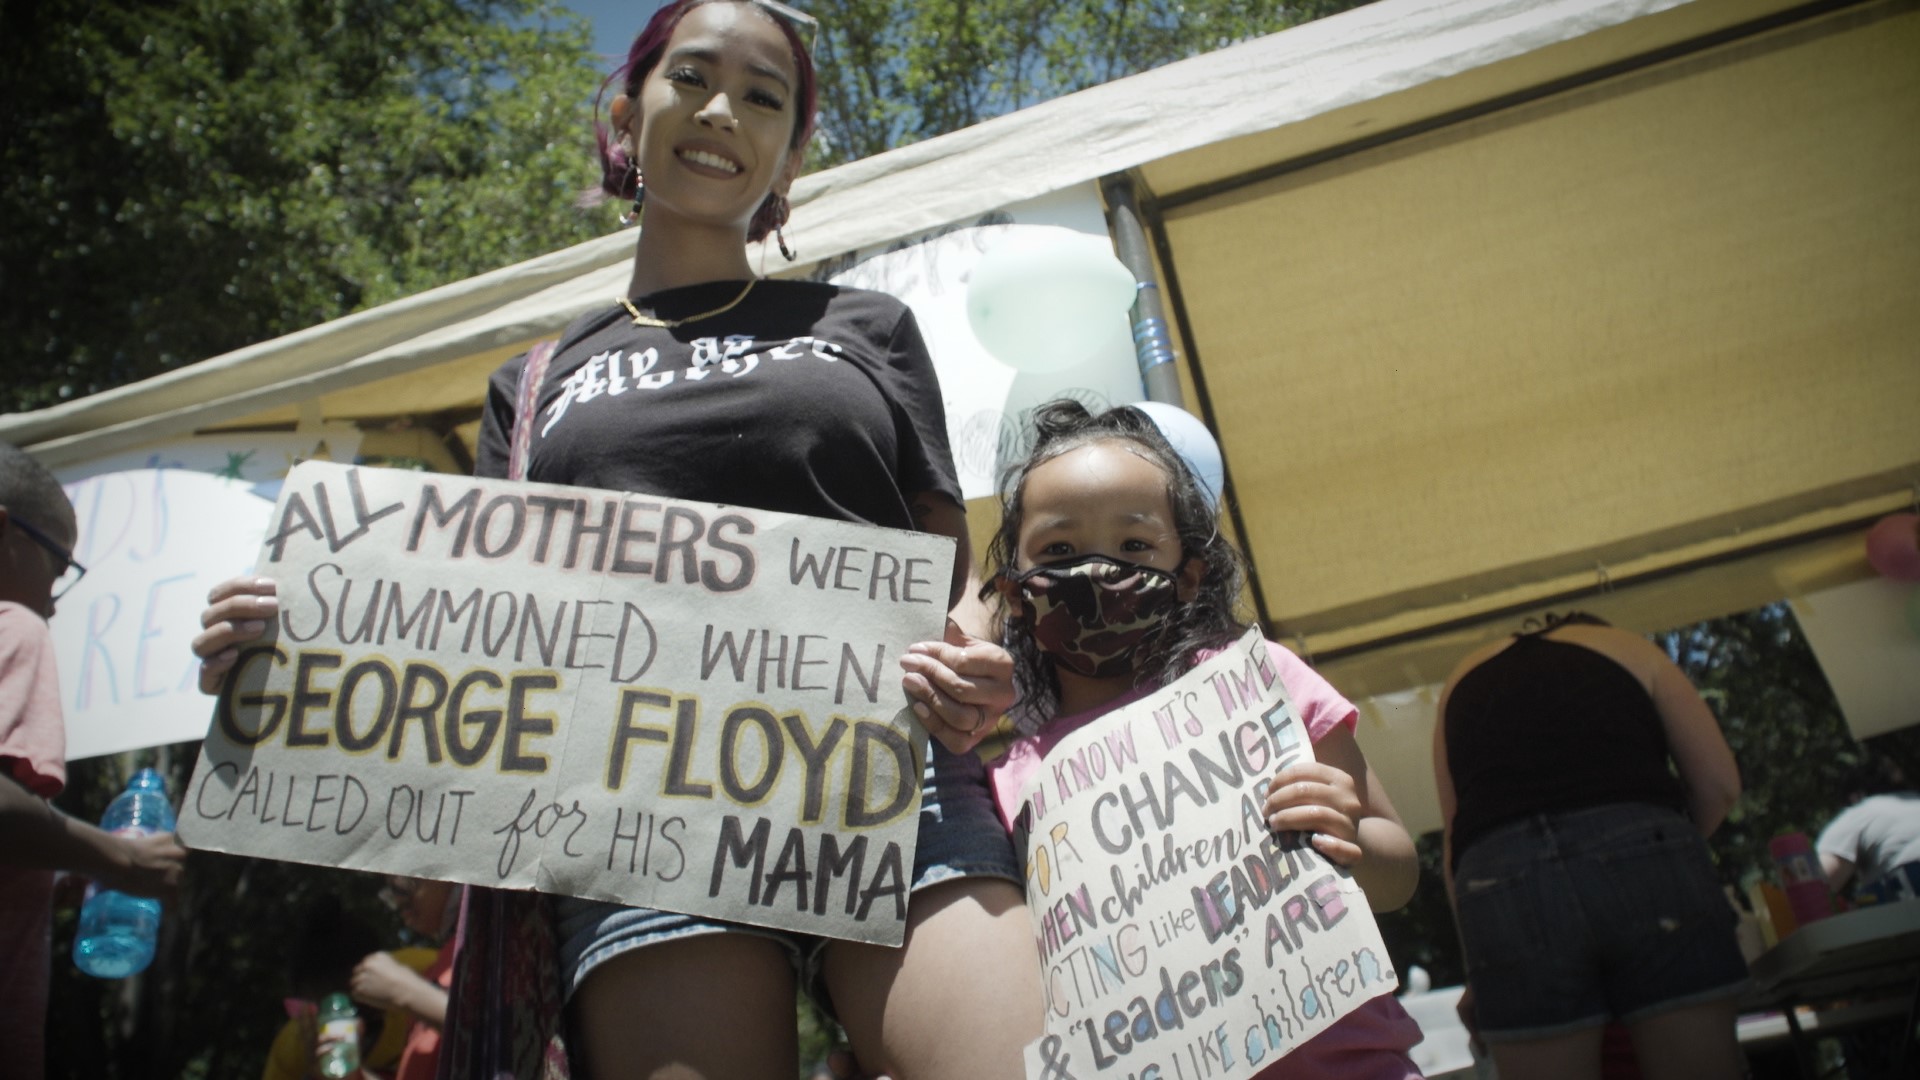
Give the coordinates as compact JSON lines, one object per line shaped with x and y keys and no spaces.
{"x":1639,"y":341}
{"x":1495,"y":305}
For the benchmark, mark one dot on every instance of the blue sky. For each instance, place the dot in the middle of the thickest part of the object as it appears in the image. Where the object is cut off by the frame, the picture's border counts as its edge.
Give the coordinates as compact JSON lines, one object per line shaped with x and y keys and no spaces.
{"x":615,"y":22}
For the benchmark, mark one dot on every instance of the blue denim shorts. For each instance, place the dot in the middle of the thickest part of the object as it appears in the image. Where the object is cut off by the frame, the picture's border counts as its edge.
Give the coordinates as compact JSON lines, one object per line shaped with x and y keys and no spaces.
{"x":1573,"y":918}
{"x":960,"y":836}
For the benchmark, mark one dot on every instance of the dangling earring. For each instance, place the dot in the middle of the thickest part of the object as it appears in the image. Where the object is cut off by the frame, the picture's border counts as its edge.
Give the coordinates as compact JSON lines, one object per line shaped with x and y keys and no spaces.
{"x":781,"y":209}
{"x":632,"y":216}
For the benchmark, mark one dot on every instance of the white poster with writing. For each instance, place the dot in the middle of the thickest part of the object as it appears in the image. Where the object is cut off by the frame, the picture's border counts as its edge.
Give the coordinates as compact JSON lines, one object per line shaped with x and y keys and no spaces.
{"x":684,"y":706}
{"x":159,"y":527}
{"x":1179,"y":937}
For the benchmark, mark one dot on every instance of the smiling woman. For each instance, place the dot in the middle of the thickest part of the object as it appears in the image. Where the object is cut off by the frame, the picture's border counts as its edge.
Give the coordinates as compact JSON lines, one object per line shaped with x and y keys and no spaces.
{"x":729,"y":98}
{"x":701,"y":382}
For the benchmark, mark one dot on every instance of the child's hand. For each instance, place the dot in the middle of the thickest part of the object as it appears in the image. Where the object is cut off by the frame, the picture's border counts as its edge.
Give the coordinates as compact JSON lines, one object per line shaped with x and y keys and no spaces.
{"x":238,"y":610}
{"x":1317,"y":798}
{"x":385,"y":983}
{"x":959,"y":687}
{"x":150,"y":865}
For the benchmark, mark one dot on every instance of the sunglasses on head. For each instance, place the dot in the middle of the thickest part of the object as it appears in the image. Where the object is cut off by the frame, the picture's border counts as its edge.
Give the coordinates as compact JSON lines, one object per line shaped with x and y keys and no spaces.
{"x":805,"y":26}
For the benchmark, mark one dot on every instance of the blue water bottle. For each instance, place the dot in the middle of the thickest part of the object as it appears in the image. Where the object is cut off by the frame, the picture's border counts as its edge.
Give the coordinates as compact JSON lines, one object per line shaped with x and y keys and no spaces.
{"x":117,"y":931}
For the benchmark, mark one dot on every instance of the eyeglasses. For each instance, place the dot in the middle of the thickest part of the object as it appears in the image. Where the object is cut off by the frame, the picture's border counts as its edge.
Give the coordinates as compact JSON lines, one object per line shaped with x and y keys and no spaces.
{"x":68,"y":572}
{"x":804,"y":25}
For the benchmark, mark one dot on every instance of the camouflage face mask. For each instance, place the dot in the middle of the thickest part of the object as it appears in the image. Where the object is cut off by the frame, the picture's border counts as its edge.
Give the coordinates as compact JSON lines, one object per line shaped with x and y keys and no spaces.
{"x":1090,"y":614}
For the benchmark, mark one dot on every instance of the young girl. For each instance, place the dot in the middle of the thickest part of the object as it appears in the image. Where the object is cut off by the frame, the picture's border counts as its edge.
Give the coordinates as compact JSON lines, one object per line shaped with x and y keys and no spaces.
{"x":1105,"y":519}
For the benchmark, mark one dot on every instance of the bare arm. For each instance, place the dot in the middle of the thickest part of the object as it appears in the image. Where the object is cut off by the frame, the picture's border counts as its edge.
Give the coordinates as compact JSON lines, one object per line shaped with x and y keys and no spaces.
{"x":1706,"y":764}
{"x":40,"y":836}
{"x":936,"y":513}
{"x":960,"y":685}
{"x":1443,"y":788}
{"x":1837,"y":869}
{"x":382,"y":981}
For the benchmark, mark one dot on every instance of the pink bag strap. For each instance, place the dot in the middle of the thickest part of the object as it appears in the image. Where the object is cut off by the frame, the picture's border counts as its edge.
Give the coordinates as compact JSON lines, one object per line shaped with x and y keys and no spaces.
{"x":526,"y":401}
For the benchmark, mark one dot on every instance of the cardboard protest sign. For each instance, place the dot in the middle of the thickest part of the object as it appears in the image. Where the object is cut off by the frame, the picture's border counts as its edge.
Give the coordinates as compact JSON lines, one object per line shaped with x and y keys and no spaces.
{"x":1179,"y":938}
{"x":674,"y":704}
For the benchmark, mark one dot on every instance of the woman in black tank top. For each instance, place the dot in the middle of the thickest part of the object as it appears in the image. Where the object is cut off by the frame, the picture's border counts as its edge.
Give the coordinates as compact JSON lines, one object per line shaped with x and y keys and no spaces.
{"x":1579,"y":774}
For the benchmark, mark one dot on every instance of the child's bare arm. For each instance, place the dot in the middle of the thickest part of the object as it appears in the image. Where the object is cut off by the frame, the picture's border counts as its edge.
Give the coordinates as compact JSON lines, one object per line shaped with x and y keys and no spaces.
{"x":39,"y":835}
{"x":1338,"y":799}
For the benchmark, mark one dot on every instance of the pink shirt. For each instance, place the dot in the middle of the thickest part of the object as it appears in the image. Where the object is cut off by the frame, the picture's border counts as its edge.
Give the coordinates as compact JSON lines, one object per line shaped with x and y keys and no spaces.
{"x":1369,"y":1043}
{"x":33,"y":744}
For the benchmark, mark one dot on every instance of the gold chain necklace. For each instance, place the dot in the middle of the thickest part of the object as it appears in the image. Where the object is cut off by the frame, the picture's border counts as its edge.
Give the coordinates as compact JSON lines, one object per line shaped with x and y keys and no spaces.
{"x":641,"y":318}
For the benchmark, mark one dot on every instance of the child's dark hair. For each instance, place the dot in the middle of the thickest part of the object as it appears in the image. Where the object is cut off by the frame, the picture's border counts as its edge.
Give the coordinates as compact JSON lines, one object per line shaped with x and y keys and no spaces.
{"x":29,"y":490}
{"x":1210,"y":620}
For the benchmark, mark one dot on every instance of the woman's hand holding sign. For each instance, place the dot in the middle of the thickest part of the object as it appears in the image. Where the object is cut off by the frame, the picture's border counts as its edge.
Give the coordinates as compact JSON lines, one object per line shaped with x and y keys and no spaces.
{"x":238,"y":610}
{"x":959,"y":687}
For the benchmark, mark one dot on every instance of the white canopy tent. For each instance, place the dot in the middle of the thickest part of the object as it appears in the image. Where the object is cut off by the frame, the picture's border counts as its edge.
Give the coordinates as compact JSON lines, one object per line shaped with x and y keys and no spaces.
{"x":1493,"y":304}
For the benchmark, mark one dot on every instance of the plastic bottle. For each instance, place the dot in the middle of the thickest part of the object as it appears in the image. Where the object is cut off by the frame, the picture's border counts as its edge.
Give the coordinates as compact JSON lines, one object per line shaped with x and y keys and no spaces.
{"x":117,"y":931}
{"x":1757,"y":903}
{"x":1800,"y":877}
{"x":339,"y":1020}
{"x":1779,"y":912}
{"x":1746,"y":928}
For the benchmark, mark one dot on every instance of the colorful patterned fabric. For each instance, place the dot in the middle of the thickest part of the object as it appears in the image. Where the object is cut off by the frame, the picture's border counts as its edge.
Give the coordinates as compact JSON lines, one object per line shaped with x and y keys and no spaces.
{"x":1090,"y":614}
{"x":504,"y":1010}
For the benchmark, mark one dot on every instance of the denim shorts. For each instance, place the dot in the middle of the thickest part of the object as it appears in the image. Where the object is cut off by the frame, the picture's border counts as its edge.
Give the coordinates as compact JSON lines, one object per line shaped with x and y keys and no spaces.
{"x":1573,"y":918}
{"x":960,"y":836}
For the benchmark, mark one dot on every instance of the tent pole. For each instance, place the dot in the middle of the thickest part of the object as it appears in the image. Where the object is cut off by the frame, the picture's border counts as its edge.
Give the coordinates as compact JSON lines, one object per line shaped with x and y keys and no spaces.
{"x":1152,"y":348}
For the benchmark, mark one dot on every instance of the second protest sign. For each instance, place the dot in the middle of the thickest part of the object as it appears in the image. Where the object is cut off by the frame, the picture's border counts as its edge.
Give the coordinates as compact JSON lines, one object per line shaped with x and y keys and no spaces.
{"x":1178,"y":937}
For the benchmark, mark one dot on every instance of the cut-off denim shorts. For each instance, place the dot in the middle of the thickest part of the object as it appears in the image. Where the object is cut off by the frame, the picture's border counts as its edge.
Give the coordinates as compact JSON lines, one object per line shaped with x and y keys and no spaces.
{"x":1573,"y":918}
{"x":960,"y":836}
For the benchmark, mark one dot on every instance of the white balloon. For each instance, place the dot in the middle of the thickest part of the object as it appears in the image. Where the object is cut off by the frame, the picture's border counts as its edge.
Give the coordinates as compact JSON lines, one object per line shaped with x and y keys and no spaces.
{"x":1046,"y":301}
{"x":1192,"y":441}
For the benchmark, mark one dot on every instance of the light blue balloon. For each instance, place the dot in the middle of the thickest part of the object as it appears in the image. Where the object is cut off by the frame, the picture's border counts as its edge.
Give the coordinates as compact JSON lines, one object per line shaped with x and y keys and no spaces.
{"x":1193,"y":442}
{"x":1048,"y":300}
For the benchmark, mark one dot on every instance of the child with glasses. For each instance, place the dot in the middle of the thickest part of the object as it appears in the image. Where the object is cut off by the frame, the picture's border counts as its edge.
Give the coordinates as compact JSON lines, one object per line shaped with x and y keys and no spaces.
{"x":37,"y":533}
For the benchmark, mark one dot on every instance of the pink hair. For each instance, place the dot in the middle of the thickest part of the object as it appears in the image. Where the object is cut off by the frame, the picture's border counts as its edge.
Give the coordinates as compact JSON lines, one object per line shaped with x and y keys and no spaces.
{"x":618,"y":180}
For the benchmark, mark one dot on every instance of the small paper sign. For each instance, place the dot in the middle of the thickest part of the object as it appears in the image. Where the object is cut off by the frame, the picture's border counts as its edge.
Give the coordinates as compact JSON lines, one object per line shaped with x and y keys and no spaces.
{"x":1179,"y":938}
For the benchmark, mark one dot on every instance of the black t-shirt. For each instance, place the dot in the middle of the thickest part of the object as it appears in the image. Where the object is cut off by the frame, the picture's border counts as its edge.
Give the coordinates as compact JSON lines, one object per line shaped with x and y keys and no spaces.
{"x":805,"y":398}
{"x":1545,"y":726}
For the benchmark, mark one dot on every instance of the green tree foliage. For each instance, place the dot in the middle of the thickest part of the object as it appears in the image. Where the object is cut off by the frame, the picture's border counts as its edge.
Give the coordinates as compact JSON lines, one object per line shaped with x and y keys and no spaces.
{"x":180,"y":178}
{"x":896,"y":72}
{"x":1796,"y":755}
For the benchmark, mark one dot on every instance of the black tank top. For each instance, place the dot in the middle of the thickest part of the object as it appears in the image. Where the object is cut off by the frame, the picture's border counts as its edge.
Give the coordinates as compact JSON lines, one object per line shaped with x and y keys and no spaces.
{"x":1548,"y":725}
